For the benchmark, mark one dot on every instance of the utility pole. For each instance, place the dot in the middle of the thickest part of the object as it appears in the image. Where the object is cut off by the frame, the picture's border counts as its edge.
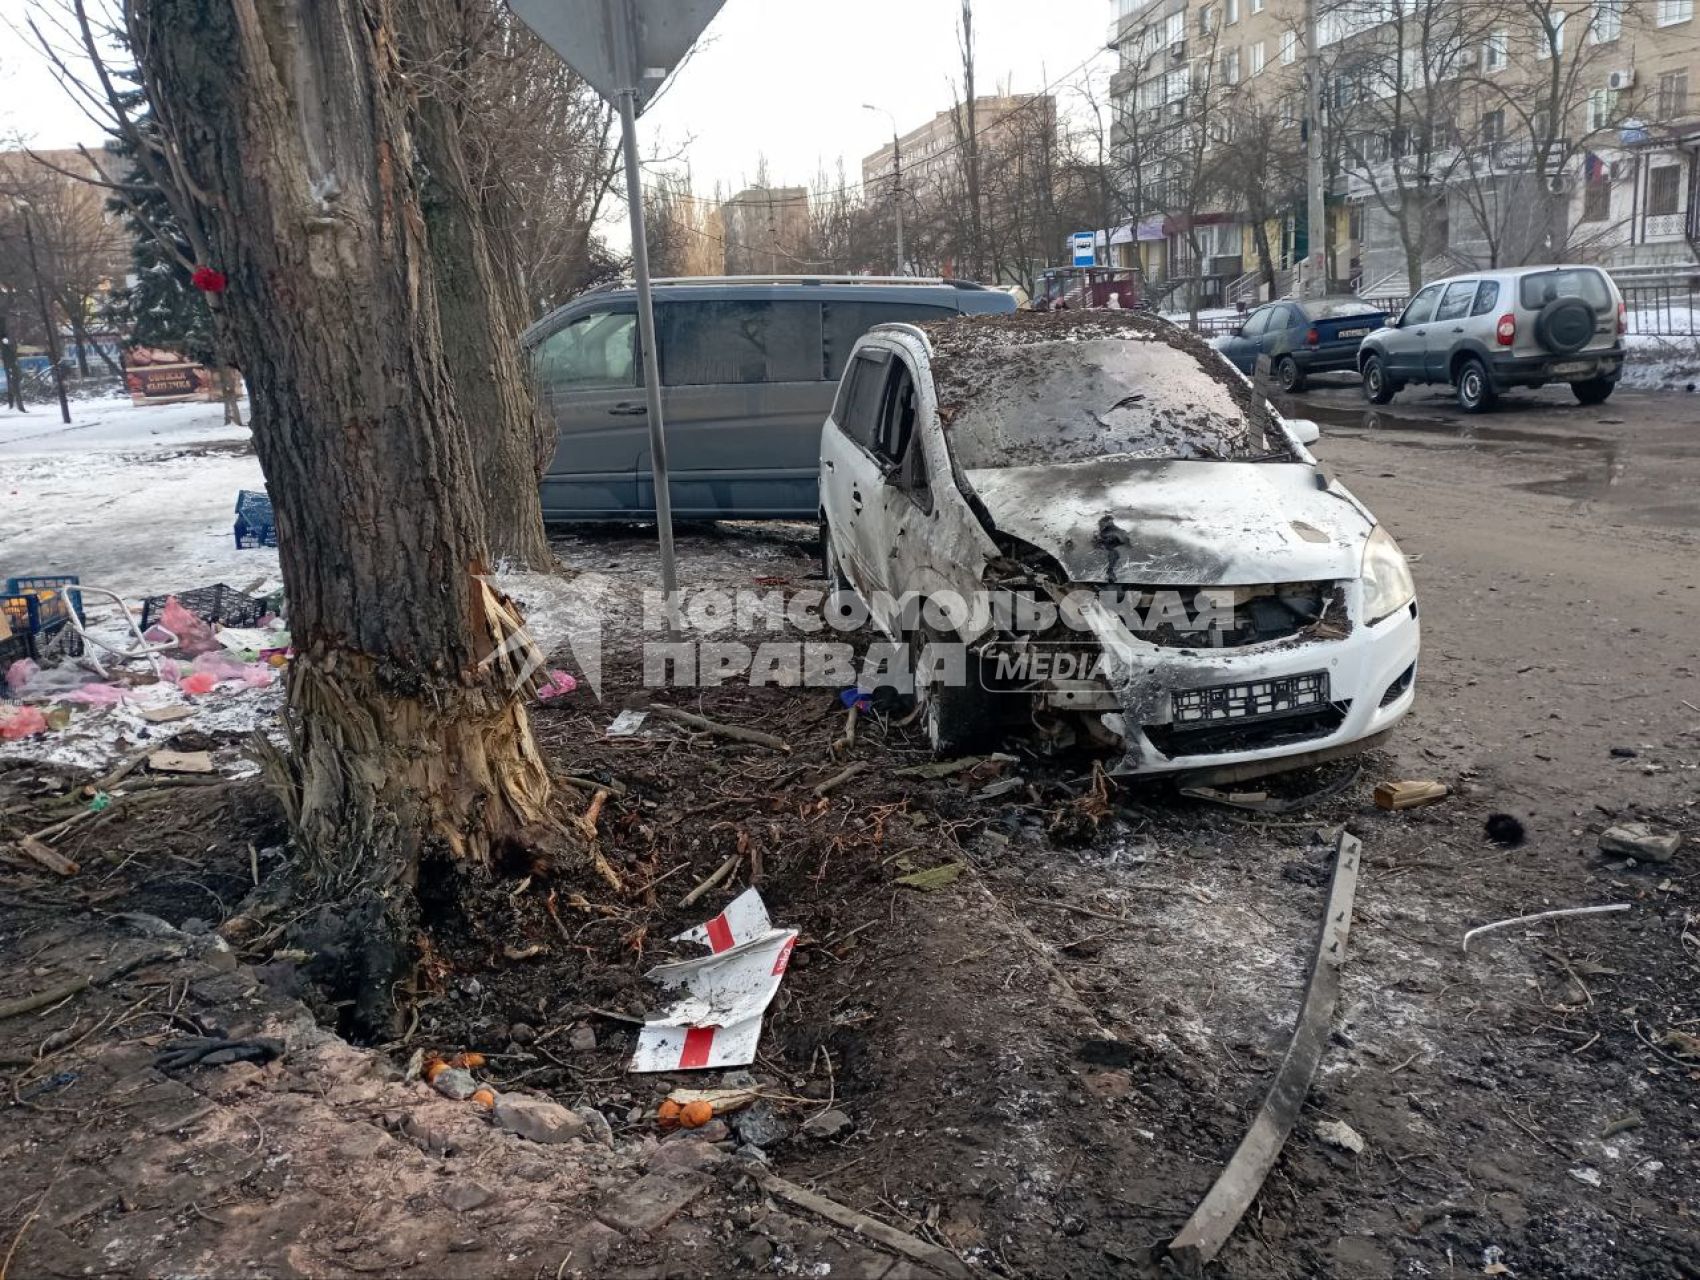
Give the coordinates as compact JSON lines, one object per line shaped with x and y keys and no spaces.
{"x":897,"y":181}
{"x":46,"y":318}
{"x":1315,"y":276}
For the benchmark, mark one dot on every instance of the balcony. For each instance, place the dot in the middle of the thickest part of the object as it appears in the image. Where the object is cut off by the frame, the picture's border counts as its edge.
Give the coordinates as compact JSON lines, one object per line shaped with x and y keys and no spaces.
{"x":1662,"y":226}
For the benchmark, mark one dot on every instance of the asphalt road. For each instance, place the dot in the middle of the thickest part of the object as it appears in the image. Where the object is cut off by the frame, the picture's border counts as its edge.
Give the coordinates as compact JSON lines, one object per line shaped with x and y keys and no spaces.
{"x":1556,"y":570}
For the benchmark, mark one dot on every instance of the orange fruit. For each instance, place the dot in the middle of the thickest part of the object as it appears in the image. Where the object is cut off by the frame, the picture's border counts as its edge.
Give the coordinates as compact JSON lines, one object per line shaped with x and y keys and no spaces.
{"x":484,"y":1097}
{"x":668,"y":1114}
{"x":434,"y":1068}
{"x":696,"y":1114}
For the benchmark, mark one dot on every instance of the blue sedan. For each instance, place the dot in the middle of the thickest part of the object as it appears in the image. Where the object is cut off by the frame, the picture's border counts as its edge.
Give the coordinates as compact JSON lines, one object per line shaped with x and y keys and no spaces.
{"x":1302,"y":337}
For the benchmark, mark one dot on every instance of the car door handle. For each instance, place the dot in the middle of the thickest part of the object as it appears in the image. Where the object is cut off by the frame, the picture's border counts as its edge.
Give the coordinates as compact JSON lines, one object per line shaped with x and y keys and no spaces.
{"x":1458,"y":329}
{"x":828,"y":463}
{"x":629,"y":407}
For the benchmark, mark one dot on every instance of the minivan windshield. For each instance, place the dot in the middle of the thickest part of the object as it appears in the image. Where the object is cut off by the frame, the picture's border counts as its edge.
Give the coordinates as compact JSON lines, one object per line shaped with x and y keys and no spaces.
{"x":1017,"y":391}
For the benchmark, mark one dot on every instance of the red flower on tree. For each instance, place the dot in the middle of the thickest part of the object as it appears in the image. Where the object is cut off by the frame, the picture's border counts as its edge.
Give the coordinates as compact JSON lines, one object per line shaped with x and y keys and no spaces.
{"x":207,"y":280}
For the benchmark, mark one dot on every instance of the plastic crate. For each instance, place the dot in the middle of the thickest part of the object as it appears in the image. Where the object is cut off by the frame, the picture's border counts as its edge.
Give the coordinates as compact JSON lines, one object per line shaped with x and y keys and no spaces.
{"x":222,"y":604}
{"x":255,"y":524}
{"x":12,"y":648}
{"x":19,"y":612}
{"x":59,"y":640}
{"x":44,"y":588}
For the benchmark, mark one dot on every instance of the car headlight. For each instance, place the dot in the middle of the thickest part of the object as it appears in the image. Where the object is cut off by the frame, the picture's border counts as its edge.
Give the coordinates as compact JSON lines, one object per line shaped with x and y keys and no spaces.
{"x":1388,"y":587}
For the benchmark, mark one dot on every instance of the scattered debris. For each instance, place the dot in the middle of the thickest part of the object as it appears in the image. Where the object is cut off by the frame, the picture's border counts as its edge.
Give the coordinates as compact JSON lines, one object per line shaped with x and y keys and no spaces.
{"x":735,"y":732}
{"x":559,"y":684}
{"x":949,"y":768}
{"x":716,"y":1021}
{"x":1204,"y":1234}
{"x":1337,"y":1133}
{"x":582,"y":1039}
{"x":1263,"y":802}
{"x":166,"y":714}
{"x":1541,"y":915}
{"x":933,"y":877}
{"x":841,"y":777}
{"x":181,"y":762}
{"x":52,"y":859}
{"x":1681,"y":1043}
{"x":1505,"y":830}
{"x":536,"y":1118}
{"x":1587,"y":1175}
{"x":1409,"y":795}
{"x":626,"y":723}
{"x":1624,"y":753}
{"x":215,"y":1051}
{"x":721,"y":1101}
{"x":1639,"y":841}
{"x":761,"y":1125}
{"x":831,"y":1123}
{"x":915,"y":1249}
{"x":1002,"y":787}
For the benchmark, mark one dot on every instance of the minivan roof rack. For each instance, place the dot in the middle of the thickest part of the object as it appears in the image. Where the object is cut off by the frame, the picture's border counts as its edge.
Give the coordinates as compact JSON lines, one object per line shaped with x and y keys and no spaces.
{"x":934,"y":281}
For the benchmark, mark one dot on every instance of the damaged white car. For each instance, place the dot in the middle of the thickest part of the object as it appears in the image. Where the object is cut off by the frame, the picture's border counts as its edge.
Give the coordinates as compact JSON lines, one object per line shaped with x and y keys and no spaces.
{"x":1089,"y":526}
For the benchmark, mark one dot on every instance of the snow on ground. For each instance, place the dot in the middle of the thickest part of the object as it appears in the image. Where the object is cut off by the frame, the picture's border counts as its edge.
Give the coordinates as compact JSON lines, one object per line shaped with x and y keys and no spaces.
{"x":140,"y":500}
{"x":1662,"y":364}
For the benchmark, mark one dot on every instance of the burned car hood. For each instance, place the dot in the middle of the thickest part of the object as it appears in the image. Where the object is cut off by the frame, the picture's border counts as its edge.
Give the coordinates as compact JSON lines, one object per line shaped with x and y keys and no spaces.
{"x":1180,"y":523}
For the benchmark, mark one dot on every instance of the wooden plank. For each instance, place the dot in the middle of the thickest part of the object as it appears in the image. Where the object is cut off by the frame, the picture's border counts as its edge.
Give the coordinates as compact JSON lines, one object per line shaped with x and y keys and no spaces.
{"x":914,"y":1248}
{"x":1242,"y":1177}
{"x":50,"y":858}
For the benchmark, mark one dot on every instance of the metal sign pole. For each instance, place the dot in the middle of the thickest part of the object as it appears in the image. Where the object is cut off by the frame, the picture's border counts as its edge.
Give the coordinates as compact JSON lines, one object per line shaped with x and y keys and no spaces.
{"x":651,"y":365}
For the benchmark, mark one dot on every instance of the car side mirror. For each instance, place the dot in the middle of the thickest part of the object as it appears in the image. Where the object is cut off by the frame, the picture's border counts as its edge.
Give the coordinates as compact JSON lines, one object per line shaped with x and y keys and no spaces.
{"x":1304,"y":430}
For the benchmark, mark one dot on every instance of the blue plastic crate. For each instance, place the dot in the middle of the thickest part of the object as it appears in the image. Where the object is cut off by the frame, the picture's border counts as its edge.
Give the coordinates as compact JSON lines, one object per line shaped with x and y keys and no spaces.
{"x":49,"y":608}
{"x":255,"y":525}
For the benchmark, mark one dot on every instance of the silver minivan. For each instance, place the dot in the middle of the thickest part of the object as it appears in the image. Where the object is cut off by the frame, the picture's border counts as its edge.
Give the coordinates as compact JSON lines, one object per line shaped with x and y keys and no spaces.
{"x":749,"y":366}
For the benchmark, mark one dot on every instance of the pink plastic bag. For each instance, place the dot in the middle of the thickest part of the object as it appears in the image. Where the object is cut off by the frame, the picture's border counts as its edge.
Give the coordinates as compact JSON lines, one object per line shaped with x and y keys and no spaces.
{"x":200,"y":682}
{"x":21,"y":723}
{"x":220,"y":666}
{"x":558,"y":683}
{"x":194,"y":635}
{"x":20,"y":672}
{"x":97,"y":695}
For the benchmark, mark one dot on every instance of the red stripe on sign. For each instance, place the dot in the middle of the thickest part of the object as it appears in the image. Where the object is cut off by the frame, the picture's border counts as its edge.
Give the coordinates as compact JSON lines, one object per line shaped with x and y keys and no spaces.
{"x":698,"y":1042}
{"x":784,"y":957}
{"x":719,"y":933}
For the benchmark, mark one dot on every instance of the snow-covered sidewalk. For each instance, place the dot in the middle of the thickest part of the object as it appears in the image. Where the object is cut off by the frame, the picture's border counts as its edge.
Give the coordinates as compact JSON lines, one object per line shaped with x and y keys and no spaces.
{"x":140,"y":500}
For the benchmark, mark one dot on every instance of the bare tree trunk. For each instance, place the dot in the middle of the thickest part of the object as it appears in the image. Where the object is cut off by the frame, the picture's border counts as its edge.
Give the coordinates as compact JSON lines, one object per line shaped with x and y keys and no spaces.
{"x":971,"y":147}
{"x":227,"y":382}
{"x":291,"y":121}
{"x":9,"y":360}
{"x":1265,"y":258}
{"x":475,"y":311}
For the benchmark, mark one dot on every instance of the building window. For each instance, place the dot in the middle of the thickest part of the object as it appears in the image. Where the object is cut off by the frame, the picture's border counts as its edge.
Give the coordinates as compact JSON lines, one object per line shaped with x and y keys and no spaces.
{"x":1177,"y":27}
{"x":1257,"y":58}
{"x":1257,"y":6}
{"x":1607,"y":23}
{"x":1673,"y":95}
{"x":1289,"y":47}
{"x":1664,"y":189}
{"x":1493,"y":126}
{"x":1496,"y":52}
{"x":1231,"y":11}
{"x":1596,"y":200}
{"x":1207,"y":19}
{"x":1602,"y":107}
{"x":1673,"y":11}
{"x":1231,"y":66}
{"x":1549,"y":41}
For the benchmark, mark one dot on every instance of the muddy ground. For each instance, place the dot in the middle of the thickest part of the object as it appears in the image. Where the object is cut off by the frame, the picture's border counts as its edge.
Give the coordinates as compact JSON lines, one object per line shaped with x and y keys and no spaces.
{"x":1046,"y":1060}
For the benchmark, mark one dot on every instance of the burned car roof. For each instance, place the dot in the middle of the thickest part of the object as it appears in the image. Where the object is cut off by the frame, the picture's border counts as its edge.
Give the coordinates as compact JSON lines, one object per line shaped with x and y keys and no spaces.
{"x":1037,"y":388}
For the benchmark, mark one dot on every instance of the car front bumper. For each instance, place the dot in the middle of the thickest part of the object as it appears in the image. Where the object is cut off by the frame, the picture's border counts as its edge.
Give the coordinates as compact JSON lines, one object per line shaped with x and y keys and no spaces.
{"x":1522,"y":371}
{"x":1371,"y":680}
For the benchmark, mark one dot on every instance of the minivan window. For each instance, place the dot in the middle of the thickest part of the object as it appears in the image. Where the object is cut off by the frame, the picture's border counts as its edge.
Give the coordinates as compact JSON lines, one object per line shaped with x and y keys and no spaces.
{"x":738,"y":341}
{"x":859,"y":401}
{"x":595,"y":350}
{"x":1487,"y":295}
{"x":1456,"y":304}
{"x":1586,"y":283}
{"x":897,"y":418}
{"x":848,"y":320}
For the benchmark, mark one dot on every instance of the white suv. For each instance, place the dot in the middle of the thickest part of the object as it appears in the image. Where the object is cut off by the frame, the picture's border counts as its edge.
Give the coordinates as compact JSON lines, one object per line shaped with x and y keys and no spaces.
{"x":1484,"y":332}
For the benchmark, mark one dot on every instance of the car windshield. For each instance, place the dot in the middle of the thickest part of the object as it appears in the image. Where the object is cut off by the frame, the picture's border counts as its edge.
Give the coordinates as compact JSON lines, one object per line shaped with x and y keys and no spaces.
{"x":1336,"y":308}
{"x":1037,"y":389}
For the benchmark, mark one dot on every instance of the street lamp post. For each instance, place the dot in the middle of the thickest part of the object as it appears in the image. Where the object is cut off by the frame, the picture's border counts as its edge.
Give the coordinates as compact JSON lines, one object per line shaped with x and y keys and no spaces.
{"x":46,"y":316}
{"x":897,"y":180}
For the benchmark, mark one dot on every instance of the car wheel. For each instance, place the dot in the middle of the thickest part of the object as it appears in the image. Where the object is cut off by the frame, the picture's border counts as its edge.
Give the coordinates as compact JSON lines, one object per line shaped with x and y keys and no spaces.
{"x":958,"y":717}
{"x":1288,"y":376}
{"x":1475,"y":392}
{"x":1594,"y":390}
{"x":1378,"y":387}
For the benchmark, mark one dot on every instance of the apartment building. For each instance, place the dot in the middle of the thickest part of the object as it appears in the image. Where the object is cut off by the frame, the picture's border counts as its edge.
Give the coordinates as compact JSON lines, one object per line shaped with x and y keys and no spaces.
{"x":766,"y":231}
{"x":1458,"y":133}
{"x":932,"y":154}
